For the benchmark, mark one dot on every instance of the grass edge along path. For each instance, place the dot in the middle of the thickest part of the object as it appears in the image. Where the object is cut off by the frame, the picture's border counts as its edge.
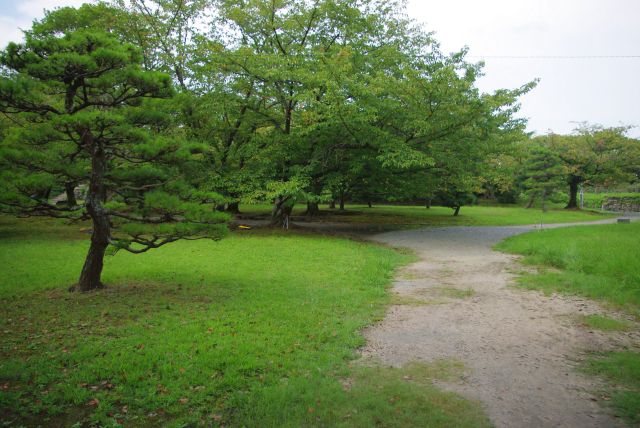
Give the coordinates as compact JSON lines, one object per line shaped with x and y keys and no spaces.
{"x":415,"y":216}
{"x":251,"y":330}
{"x":599,"y":262}
{"x":621,"y":372}
{"x":596,"y":261}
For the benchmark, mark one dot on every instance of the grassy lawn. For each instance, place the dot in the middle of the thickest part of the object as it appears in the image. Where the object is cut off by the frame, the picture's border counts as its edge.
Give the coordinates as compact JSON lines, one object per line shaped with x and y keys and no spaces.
{"x":251,"y":330}
{"x":599,"y":262}
{"x":439,"y":216}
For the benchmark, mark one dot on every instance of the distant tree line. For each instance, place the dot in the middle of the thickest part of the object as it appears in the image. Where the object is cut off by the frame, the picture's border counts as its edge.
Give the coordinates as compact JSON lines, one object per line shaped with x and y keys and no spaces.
{"x":554,"y":167}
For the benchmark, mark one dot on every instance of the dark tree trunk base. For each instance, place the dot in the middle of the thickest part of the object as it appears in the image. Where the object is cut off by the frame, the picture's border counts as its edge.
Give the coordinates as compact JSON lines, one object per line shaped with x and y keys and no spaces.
{"x":233,"y":207}
{"x":312,"y":209}
{"x":93,"y":264}
{"x":456,"y":212}
{"x":573,"y":195}
{"x":530,"y":203}
{"x":69,"y":189}
{"x":281,"y":213}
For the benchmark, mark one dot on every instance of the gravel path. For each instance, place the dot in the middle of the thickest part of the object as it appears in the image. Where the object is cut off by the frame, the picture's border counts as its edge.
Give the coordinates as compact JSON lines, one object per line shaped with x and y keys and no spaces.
{"x":520,"y":346}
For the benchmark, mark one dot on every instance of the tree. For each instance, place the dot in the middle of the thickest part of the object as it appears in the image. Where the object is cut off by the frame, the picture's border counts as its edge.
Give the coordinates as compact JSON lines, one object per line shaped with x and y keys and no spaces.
{"x":594,"y":155}
{"x":544,"y":174}
{"x":87,"y":114}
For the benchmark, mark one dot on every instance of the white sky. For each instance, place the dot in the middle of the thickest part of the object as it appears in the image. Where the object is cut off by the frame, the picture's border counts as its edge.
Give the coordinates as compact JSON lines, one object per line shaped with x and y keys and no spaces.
{"x":604,"y":91}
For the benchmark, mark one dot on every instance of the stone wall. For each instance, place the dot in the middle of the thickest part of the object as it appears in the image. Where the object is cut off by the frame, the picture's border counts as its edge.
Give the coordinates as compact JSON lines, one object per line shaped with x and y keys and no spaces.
{"x":621,"y":204}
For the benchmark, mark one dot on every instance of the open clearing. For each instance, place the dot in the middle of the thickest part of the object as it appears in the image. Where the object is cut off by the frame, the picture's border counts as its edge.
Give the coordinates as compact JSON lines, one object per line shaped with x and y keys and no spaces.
{"x":521,"y":347}
{"x":208,"y":334}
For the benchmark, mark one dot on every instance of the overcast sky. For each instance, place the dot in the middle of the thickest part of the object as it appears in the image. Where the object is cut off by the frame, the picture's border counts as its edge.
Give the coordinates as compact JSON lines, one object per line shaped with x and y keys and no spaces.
{"x":604,"y":91}
{"x":571,"y":90}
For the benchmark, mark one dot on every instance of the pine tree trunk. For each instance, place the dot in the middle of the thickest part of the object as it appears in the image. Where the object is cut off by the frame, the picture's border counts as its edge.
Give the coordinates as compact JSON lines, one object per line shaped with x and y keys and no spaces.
{"x":369,"y":204}
{"x":342,"y":201}
{"x":92,"y":269}
{"x":69,"y":189}
{"x":456,"y":212}
{"x":532,"y":199}
{"x":573,"y":193}
{"x":332,"y":204}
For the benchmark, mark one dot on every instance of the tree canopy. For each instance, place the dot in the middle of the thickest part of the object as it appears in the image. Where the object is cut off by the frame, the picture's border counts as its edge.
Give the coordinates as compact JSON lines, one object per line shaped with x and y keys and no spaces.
{"x":144,"y":115}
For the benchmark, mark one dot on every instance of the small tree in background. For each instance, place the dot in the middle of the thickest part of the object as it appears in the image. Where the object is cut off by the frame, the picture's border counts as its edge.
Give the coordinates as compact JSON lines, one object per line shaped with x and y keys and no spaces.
{"x":544,"y":175}
{"x":594,"y":155}
{"x":86,"y":115}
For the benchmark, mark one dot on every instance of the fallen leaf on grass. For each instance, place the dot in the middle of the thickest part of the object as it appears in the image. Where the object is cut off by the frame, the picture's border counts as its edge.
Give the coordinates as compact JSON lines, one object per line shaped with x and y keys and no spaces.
{"x":183,"y":400}
{"x":93,"y":402}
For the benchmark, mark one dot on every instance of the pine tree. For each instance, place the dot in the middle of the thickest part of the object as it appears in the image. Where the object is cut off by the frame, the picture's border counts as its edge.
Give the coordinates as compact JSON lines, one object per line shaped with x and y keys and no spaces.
{"x":86,"y":116}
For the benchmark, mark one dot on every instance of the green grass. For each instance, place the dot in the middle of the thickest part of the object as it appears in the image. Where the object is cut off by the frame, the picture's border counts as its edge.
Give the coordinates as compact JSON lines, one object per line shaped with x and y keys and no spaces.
{"x":253,"y":330}
{"x":376,"y":396}
{"x":600,"y":262}
{"x":600,"y":322}
{"x":621,"y":370}
{"x":439,"y":216}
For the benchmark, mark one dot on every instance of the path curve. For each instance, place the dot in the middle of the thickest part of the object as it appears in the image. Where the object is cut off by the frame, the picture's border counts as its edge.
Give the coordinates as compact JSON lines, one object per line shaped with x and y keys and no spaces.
{"x":519,"y":346}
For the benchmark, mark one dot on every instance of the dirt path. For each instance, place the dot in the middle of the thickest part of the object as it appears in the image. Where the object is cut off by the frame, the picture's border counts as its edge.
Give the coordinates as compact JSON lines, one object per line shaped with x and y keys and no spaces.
{"x":520,"y":346}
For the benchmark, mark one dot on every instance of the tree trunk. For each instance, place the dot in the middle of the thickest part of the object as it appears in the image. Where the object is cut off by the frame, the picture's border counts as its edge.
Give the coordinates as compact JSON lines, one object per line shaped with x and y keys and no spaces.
{"x":573,"y":193}
{"x":92,"y":269}
{"x":281,"y":212}
{"x":312,"y":209}
{"x":332,"y":204}
{"x":456,"y":212}
{"x":532,"y":199}
{"x":544,"y":200}
{"x":342,"y":201}
{"x":233,"y":207}
{"x":428,"y":204}
{"x":69,"y":188}
{"x":369,"y":204}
